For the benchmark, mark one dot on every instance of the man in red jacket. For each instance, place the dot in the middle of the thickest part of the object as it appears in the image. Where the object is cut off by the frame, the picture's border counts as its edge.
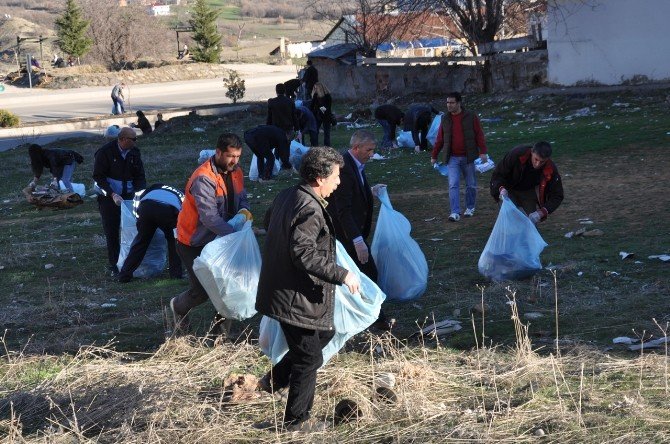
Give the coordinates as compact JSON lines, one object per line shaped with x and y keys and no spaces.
{"x":463,"y":140}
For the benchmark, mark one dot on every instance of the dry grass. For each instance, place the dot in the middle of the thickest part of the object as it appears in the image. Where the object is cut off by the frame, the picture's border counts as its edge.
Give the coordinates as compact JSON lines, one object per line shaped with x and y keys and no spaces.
{"x":188,"y":393}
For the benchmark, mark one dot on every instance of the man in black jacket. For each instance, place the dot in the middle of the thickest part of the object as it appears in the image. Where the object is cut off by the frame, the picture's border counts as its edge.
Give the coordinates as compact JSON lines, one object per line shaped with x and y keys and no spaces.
{"x":118,"y":173}
{"x":299,"y":290}
{"x":309,"y":78}
{"x":155,"y":208}
{"x":417,"y":120}
{"x":281,"y":112}
{"x":351,"y":206}
{"x":389,"y":117}
{"x":261,"y":140}
{"x":529,"y":177}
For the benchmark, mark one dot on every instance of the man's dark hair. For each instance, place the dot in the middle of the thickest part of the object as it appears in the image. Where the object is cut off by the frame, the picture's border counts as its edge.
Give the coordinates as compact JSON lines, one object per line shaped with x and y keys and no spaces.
{"x":542,"y":149}
{"x":309,"y":62}
{"x":455,"y":95}
{"x":319,"y":161}
{"x":228,"y":140}
{"x":280,"y":89}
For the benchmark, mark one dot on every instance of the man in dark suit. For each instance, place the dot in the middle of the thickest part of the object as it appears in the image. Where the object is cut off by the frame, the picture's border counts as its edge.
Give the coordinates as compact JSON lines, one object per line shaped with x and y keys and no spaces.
{"x":350,"y":207}
{"x":281,"y":112}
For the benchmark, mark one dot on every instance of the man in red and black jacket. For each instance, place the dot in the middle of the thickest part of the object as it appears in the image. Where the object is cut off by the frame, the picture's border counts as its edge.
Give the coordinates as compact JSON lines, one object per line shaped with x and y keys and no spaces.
{"x":529,"y":177}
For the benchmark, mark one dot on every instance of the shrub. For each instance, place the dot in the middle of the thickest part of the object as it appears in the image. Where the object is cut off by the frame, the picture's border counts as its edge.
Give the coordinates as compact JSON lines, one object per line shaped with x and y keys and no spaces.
{"x":8,"y":119}
{"x":235,"y":85}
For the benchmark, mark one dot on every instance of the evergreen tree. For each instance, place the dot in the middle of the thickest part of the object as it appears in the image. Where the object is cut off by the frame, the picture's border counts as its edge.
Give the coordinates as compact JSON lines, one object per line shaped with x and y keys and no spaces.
{"x":205,"y":33}
{"x":71,"y":30}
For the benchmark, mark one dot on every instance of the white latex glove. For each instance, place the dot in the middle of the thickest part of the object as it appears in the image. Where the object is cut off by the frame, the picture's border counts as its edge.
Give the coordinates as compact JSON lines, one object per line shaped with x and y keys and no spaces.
{"x":375,"y":189}
{"x":352,"y":283}
{"x":535,"y":217}
{"x":32,"y":183}
{"x":323,"y":109}
{"x":237,"y":221}
{"x":503,"y":192}
{"x":118,"y":200}
{"x":362,"y":251}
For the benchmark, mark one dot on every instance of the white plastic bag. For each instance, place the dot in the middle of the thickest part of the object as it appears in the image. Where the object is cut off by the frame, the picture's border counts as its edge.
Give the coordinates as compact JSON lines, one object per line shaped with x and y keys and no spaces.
{"x":78,"y":188}
{"x":402,"y":266}
{"x":253,"y":168}
{"x":514,"y":247}
{"x":204,"y":155}
{"x":297,"y":151}
{"x":434,"y":127}
{"x":156,"y":256}
{"x":483,"y":167}
{"x":405,"y":139}
{"x":228,"y":269}
{"x":352,"y":314}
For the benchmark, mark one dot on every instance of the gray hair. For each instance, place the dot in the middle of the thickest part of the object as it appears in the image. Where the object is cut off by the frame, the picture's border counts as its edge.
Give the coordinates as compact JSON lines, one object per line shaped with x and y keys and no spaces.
{"x":362,"y":136}
{"x":319,"y":161}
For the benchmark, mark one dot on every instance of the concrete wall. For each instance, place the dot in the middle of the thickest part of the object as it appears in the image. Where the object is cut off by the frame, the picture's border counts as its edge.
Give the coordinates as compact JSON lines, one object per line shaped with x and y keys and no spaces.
{"x":516,"y":71}
{"x":608,"y":41}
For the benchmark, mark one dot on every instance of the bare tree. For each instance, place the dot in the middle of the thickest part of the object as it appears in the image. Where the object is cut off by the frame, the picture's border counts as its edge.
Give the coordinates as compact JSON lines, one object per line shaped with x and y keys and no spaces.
{"x":122,"y":35}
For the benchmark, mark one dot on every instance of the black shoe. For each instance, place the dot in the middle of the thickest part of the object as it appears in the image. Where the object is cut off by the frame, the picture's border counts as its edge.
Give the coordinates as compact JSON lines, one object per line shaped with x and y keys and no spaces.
{"x":125,"y":278}
{"x":383,"y":323}
{"x":113,"y":271}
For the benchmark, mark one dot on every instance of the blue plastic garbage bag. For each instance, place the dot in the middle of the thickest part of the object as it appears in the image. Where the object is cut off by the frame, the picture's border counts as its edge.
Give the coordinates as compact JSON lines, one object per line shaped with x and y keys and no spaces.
{"x":156,"y":256}
{"x":441,"y":168}
{"x":405,"y":140}
{"x":434,"y":127}
{"x":204,"y":155}
{"x":297,"y":151}
{"x":514,"y":247}
{"x":402,"y":266}
{"x":228,"y":269}
{"x":352,"y":314}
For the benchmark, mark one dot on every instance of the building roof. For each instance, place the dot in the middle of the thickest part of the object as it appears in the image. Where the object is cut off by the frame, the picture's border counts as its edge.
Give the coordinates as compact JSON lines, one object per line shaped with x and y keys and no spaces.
{"x":334,"y":52}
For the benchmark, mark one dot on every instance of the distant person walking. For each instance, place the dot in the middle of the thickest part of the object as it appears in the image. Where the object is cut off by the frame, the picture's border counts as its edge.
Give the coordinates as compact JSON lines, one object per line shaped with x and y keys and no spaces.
{"x":118,"y":99}
{"x":322,"y":108}
{"x":309,"y":78}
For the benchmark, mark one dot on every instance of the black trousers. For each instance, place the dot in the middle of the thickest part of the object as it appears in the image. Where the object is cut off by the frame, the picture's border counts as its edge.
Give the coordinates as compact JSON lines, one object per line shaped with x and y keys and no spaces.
{"x":297,"y":369}
{"x":265,"y":160}
{"x":196,"y":294}
{"x":152,"y":216}
{"x":110,"y":213}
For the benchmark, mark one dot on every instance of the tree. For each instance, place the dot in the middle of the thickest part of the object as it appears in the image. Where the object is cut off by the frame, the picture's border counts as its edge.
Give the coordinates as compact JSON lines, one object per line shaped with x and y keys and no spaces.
{"x":235,"y":85}
{"x":71,"y":30}
{"x":205,"y":33}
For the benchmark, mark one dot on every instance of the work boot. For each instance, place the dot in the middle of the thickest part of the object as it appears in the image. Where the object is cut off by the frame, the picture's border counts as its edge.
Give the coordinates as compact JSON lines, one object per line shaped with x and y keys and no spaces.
{"x":180,"y":323}
{"x":309,"y":426}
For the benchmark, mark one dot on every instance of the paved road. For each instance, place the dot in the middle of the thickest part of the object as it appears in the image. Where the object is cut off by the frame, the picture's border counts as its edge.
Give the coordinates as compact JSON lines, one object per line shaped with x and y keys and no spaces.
{"x":44,"y":105}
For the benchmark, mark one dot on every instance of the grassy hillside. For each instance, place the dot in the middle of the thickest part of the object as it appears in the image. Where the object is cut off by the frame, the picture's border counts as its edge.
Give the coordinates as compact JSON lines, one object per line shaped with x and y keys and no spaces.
{"x":503,"y":377}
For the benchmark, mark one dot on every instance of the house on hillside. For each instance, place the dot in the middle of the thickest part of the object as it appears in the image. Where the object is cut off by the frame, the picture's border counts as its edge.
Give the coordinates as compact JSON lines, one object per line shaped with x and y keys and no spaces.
{"x":610,"y":44}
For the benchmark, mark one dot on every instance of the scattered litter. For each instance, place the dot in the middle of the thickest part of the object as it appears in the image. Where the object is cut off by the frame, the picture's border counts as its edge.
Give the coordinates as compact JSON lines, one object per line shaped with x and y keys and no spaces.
{"x":533,"y":315}
{"x":108,"y":305}
{"x":112,"y":299}
{"x":492,"y":119}
{"x":625,"y":255}
{"x":456,"y":312}
{"x":663,"y":257}
{"x":48,"y":266}
{"x":607,"y":127}
{"x":483,"y":167}
{"x":625,"y":340}
{"x":386,"y":380}
{"x":583,"y":218}
{"x":612,"y":273}
{"x":656,"y":343}
{"x":441,"y":328}
{"x":622,"y":105}
{"x":569,"y":234}
{"x":586,"y":222}
{"x":580,"y":274}
{"x":198,"y":130}
{"x":436,"y":239}
{"x":357,"y":125}
{"x":539,"y":432}
{"x":348,"y":116}
{"x":378,"y":156}
{"x":6,"y":201}
{"x":431,"y":219}
{"x":638,"y":262}
{"x":417,"y":306}
{"x":2,"y":267}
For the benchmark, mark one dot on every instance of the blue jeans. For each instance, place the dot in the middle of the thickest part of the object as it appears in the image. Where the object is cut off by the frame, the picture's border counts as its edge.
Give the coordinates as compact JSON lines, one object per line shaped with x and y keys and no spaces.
{"x":456,"y":166}
{"x":67,"y":176}
{"x":387,"y":139}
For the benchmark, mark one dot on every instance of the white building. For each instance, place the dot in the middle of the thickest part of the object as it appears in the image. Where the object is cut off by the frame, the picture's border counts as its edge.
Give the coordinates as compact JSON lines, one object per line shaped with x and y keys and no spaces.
{"x":159,"y":10}
{"x":608,"y":42}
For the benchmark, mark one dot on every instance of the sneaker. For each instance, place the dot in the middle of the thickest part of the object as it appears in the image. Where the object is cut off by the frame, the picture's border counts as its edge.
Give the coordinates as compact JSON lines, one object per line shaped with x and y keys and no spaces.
{"x":309,"y":426}
{"x":469,"y":212}
{"x":454,"y":217}
{"x":181,"y":324}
